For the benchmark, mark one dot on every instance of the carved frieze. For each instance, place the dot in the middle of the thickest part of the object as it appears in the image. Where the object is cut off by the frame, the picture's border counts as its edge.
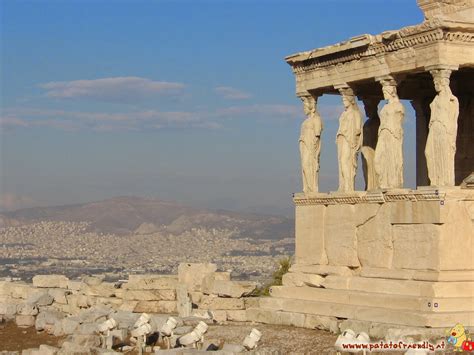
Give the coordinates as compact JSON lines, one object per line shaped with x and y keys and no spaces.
{"x":370,"y":197}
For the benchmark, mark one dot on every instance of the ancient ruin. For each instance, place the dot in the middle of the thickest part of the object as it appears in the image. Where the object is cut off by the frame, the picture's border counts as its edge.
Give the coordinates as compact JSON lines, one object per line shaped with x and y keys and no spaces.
{"x":389,"y":259}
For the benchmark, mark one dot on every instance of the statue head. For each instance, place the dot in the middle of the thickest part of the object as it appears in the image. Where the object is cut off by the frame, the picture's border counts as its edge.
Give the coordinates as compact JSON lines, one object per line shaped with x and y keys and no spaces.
{"x":441,"y":80}
{"x":348,"y":97}
{"x":389,"y":89}
{"x":309,"y":105}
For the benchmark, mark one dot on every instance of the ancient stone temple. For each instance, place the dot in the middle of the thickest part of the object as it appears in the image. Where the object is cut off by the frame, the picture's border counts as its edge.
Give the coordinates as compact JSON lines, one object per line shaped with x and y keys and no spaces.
{"x":388,"y":256}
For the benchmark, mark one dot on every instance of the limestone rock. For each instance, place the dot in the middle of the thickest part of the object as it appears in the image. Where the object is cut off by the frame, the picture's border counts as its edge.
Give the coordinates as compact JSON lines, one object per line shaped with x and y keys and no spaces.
{"x":89,"y":340}
{"x":151,"y":282}
{"x":183,"y":305}
{"x":374,"y":239}
{"x":237,"y":315}
{"x":8,"y":309}
{"x":59,"y":295}
{"x":155,"y":307}
{"x":47,"y":349}
{"x":25,"y":321}
{"x":340,"y":235}
{"x":69,"y":325}
{"x":321,"y":322}
{"x":192,"y":275}
{"x":40,"y":299}
{"x":50,"y":281}
{"x":149,"y":295}
{"x":300,"y":279}
{"x":103,"y":289}
{"x":217,"y":303}
{"x":234,"y":289}
{"x":27,"y":309}
{"x":48,"y":317}
{"x":92,"y":280}
{"x":219,"y":315}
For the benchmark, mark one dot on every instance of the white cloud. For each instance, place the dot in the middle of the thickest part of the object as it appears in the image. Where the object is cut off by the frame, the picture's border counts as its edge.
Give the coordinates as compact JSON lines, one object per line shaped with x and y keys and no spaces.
{"x":290,"y":111}
{"x":228,"y":92}
{"x":105,"y":121}
{"x":118,"y":89}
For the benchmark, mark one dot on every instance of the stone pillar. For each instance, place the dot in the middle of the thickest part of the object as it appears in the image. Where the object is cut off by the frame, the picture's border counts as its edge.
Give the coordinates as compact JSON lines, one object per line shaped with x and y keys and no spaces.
{"x":369,"y":141}
{"x":389,"y":151}
{"x":348,"y":139}
{"x":422,"y":111}
{"x":310,"y":143}
{"x":441,"y":143}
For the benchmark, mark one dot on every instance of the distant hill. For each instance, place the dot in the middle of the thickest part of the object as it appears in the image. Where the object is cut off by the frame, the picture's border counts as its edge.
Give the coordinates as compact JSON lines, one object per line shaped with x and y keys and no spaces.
{"x":125,"y":215}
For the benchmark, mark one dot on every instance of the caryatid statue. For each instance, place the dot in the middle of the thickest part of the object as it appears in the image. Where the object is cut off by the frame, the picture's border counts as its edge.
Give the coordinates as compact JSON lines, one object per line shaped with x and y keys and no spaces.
{"x":310,"y":144}
{"x":369,"y":141}
{"x":441,"y":143}
{"x":348,"y":140}
{"x":389,"y":151}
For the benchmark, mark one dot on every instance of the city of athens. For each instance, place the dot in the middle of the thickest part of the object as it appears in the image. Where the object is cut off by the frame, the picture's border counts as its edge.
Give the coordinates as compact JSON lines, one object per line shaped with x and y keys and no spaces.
{"x":236,"y":177}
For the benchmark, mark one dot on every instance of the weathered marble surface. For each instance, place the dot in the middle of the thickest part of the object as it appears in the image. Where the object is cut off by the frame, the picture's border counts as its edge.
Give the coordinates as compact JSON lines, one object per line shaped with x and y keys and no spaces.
{"x":441,"y":143}
{"x":389,"y":152}
{"x":310,"y":144}
{"x":348,"y":140}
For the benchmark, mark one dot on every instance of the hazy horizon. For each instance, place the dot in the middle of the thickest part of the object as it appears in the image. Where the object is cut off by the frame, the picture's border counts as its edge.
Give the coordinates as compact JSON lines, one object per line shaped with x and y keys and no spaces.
{"x":182,"y":101}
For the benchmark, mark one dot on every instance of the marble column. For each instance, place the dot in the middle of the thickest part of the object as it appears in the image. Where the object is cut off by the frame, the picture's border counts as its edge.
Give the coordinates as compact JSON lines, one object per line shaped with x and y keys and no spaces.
{"x":389,"y":151}
{"x":310,"y":144}
{"x":348,"y":139}
{"x":422,"y":112}
{"x":369,"y":141}
{"x":441,"y":143}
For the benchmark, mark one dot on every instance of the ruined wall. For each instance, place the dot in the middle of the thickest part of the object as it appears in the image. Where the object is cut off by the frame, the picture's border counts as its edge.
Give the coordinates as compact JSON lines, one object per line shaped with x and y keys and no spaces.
{"x":57,"y":305}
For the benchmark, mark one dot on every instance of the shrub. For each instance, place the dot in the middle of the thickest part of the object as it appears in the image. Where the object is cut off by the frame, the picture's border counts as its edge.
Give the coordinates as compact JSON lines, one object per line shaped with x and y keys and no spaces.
{"x":284,"y":265}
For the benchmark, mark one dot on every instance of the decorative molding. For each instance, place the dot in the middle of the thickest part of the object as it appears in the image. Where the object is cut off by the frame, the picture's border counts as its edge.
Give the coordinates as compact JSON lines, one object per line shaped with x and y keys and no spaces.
{"x":370,"y":197}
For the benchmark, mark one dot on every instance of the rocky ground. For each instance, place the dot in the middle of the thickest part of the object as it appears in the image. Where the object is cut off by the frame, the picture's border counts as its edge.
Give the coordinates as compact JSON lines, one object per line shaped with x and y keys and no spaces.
{"x":68,"y":248}
{"x":13,"y":338}
{"x":284,"y":339}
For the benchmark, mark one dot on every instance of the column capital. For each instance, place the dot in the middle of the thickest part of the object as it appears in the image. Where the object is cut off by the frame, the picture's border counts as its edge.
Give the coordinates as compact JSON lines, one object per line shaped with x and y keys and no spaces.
{"x":387,"y":80}
{"x":305,"y":93}
{"x":344,"y":89}
{"x":438,"y":67}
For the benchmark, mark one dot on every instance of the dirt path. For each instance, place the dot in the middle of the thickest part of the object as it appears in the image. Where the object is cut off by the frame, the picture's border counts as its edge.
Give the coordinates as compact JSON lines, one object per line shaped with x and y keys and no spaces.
{"x":13,"y":338}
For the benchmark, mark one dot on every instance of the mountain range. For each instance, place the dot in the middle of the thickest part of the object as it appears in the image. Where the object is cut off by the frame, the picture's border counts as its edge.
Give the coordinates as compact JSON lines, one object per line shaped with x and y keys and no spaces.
{"x":128,"y":215}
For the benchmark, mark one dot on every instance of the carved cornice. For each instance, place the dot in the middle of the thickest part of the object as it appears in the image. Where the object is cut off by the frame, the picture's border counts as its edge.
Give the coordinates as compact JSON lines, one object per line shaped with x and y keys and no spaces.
{"x":428,"y":32}
{"x":370,"y":197}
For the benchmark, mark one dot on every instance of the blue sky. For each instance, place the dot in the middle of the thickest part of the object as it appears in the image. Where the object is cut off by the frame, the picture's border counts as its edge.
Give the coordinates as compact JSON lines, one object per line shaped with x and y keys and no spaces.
{"x":182,"y":100}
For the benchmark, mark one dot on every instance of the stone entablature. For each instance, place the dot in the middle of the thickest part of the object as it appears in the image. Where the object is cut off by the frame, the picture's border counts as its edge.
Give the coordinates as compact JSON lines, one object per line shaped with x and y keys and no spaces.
{"x":367,"y":46}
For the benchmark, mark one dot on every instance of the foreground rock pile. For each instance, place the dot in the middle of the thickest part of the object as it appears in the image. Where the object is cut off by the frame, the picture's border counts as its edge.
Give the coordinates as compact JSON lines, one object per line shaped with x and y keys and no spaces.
{"x":76,"y":309}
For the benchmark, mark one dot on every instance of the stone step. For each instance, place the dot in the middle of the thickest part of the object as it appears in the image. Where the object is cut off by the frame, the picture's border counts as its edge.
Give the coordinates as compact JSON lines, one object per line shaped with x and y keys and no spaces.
{"x":359,"y":298}
{"x":450,"y":276}
{"x":375,"y":330}
{"x":401,"y":287}
{"x":366,"y":313}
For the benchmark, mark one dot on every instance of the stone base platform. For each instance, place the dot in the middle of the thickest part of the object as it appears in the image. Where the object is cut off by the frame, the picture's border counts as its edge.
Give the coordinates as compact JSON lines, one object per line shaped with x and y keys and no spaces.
{"x":391,"y":260}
